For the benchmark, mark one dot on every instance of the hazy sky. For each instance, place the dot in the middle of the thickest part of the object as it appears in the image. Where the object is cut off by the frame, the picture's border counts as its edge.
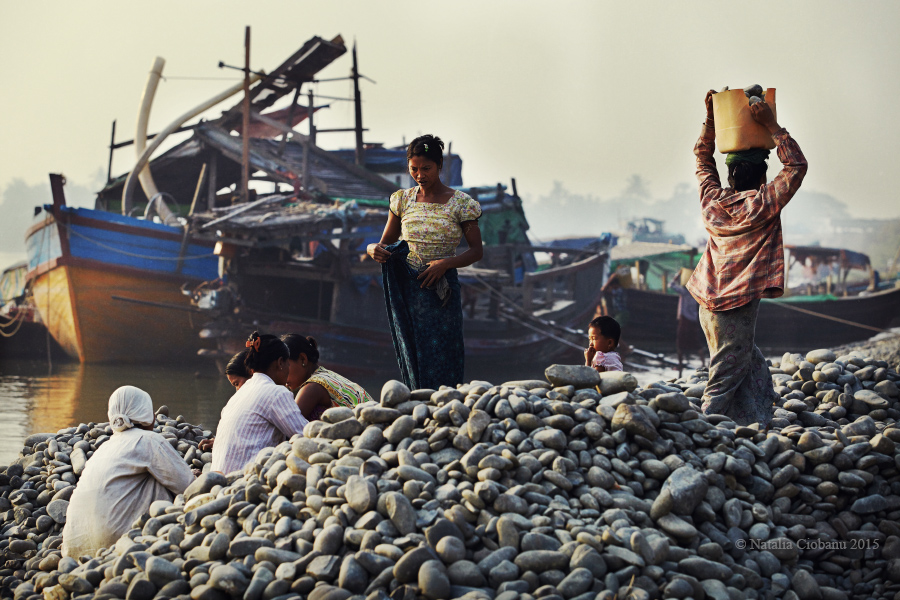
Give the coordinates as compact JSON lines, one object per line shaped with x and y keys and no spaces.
{"x":586,"y":93}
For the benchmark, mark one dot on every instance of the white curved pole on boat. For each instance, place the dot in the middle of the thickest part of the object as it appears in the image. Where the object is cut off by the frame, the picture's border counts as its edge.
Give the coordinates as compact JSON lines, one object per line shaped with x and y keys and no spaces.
{"x":140,"y":134}
{"x":128,"y":191}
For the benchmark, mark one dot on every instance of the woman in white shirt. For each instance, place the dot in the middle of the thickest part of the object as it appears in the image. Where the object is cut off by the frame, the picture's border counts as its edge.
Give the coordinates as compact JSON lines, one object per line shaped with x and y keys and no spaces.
{"x":260,"y":414}
{"x":133,"y":469}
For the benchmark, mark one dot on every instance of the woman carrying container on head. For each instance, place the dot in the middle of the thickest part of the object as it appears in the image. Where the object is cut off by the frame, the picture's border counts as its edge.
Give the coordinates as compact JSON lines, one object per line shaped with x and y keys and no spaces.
{"x":133,"y":469}
{"x":260,"y":414}
{"x":421,"y":286}
{"x":743,"y":262}
{"x":318,"y":388}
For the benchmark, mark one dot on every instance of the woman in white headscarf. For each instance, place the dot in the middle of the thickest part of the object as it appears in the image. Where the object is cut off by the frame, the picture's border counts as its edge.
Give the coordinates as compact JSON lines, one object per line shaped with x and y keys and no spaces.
{"x":133,"y":469}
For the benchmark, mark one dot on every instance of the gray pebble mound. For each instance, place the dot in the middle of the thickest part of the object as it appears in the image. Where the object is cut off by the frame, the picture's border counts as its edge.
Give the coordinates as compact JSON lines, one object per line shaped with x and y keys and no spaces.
{"x":587,"y":487}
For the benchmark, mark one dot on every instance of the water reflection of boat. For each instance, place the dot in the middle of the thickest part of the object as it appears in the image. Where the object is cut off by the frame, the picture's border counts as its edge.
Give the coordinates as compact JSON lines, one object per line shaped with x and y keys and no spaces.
{"x":22,"y":333}
{"x":33,"y":400}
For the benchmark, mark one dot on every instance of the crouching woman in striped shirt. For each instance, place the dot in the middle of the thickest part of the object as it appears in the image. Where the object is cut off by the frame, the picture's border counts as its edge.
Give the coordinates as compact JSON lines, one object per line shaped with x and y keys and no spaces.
{"x":262,"y":413}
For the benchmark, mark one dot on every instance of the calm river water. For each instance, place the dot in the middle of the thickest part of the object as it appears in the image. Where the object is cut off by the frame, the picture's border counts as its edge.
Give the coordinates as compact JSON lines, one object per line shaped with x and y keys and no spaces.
{"x":35,"y":399}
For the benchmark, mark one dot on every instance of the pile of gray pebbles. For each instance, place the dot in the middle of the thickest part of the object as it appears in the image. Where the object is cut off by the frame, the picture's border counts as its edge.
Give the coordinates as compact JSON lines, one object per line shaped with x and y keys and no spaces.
{"x":579,"y":486}
{"x":754,"y":93}
{"x":35,"y":489}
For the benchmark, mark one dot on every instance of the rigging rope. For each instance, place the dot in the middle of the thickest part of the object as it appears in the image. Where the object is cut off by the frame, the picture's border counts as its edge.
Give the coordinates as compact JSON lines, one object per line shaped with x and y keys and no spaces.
{"x":17,"y":321}
{"x":509,"y":315}
{"x":829,"y":317}
{"x":190,"y":78}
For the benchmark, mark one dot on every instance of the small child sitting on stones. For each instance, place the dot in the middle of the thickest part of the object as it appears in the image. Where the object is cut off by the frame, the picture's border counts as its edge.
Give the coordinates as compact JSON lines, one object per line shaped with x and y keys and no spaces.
{"x":603,"y":339}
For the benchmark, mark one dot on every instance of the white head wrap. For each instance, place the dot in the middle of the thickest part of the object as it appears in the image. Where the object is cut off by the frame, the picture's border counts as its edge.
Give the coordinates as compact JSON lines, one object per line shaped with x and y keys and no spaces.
{"x":129,"y":405}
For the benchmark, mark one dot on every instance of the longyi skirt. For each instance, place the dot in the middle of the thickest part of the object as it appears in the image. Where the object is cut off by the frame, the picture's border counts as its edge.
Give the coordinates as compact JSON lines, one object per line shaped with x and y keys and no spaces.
{"x":427,"y":331}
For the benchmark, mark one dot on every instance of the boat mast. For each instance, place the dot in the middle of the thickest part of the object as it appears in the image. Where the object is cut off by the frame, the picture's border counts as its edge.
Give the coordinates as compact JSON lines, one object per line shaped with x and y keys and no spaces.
{"x":357,"y":104}
{"x":245,"y":130}
{"x":112,"y":147}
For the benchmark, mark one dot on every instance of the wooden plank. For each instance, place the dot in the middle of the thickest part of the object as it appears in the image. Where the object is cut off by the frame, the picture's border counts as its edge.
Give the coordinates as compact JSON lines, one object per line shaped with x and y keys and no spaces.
{"x":551,"y":274}
{"x":312,"y":57}
{"x":327,"y":156}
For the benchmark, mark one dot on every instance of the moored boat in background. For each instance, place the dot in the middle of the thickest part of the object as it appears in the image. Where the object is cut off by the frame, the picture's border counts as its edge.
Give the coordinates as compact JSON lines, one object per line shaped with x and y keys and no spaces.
{"x":108,"y":286}
{"x":22,"y":334}
{"x":327,"y":287}
{"x":840,"y":300}
{"x":113,"y":287}
{"x":827,"y":310}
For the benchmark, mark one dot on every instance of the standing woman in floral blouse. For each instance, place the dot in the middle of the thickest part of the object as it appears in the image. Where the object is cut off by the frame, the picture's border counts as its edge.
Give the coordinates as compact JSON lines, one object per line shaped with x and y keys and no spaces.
{"x":419,"y":262}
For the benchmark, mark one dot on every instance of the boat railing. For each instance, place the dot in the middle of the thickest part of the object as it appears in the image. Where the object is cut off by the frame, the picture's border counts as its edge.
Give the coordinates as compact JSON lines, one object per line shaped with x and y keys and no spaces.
{"x":557,"y":281}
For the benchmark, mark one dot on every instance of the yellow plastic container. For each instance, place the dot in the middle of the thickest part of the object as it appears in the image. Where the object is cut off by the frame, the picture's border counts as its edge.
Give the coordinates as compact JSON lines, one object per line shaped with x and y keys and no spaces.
{"x":736,"y":129}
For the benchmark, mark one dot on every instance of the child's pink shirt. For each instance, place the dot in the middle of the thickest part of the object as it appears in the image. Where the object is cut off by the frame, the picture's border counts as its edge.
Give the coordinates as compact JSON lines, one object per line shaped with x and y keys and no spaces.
{"x":611,"y":360}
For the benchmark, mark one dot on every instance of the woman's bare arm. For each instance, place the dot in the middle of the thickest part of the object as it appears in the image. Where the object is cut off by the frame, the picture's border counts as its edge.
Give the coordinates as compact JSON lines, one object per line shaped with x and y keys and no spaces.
{"x":390,"y":235}
{"x":310,"y":396}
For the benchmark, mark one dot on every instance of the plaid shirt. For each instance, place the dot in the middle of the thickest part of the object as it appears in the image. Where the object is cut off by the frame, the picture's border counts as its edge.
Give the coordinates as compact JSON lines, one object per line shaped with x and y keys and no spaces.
{"x":744,"y":258}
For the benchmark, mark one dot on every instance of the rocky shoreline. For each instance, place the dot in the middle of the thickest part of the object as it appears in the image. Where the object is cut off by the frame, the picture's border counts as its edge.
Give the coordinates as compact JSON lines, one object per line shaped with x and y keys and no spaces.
{"x":531,"y":489}
{"x":884,"y":346}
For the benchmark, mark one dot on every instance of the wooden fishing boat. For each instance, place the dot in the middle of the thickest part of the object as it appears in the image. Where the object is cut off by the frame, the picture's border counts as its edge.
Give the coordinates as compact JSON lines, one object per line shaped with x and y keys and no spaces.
{"x":22,"y":334}
{"x":831,"y":312}
{"x":796,"y":322}
{"x":328,"y":288}
{"x":112,"y":287}
{"x":288,"y":261}
{"x":639,"y":294}
{"x":108,"y":286}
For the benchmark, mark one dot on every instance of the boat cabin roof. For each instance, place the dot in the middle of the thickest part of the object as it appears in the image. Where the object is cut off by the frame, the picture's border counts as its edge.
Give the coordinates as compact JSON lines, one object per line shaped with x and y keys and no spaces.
{"x":846,"y":259}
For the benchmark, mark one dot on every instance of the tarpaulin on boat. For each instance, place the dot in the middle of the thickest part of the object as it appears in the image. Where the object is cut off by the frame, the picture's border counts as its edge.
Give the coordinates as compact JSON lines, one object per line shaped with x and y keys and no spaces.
{"x":593,"y":243}
{"x":392,"y":161}
{"x":176,"y":172}
{"x":503,"y":219}
{"x":12,"y":282}
{"x":658,"y":262}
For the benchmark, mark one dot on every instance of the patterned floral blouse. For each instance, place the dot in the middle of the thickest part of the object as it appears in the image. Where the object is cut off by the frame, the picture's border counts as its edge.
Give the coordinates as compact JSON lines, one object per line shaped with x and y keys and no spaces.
{"x":343,"y":392}
{"x":432,"y":230}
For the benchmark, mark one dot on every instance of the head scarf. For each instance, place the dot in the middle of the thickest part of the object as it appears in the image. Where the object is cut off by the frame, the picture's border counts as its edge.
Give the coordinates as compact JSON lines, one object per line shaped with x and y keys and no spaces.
{"x":129,"y":405}
{"x":754,"y":156}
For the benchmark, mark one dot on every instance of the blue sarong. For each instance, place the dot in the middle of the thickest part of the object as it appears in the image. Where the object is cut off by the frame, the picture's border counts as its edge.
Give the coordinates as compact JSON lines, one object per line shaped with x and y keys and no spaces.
{"x":427,"y":331}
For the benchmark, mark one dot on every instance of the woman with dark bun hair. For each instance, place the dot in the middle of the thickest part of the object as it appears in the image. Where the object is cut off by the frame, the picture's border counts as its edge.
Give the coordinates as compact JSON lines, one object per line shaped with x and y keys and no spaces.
{"x":262,"y":413}
{"x":318,"y":389}
{"x":417,"y":252}
{"x":236,"y":372}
